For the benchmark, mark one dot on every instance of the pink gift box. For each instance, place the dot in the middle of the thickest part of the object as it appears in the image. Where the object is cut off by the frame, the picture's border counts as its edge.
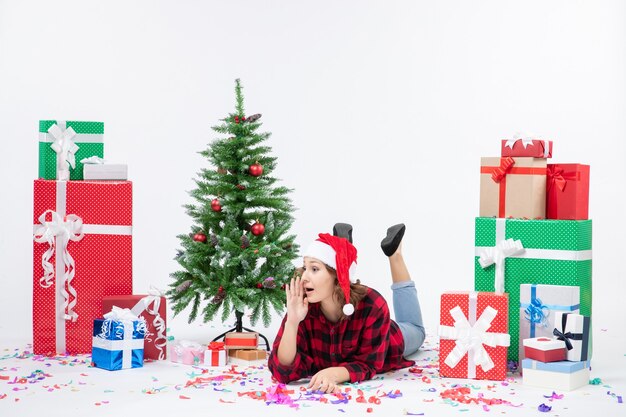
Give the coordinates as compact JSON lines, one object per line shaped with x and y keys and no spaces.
{"x":186,"y":352}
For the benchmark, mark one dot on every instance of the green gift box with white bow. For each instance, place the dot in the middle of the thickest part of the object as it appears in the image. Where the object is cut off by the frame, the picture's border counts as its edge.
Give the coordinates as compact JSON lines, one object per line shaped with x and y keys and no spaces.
{"x":63,"y":144}
{"x":511,"y":252}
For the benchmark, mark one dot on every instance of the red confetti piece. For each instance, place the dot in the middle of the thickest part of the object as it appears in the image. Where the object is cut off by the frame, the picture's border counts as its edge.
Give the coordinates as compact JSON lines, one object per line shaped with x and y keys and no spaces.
{"x":226,"y":402}
{"x":4,"y":378}
{"x":183,"y":397}
{"x":369,"y":409}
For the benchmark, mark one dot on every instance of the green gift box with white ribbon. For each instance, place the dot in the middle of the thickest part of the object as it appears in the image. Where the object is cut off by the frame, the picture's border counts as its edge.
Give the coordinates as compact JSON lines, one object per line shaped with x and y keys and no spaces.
{"x":511,"y":252}
{"x":63,"y":144}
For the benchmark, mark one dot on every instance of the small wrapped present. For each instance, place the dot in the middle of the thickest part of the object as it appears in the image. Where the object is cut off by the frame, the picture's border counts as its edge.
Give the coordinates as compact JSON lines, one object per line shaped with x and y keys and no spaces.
{"x":473,"y":335}
{"x":574,"y":330}
{"x":567,"y":195}
{"x":63,"y":144}
{"x":241,"y":340}
{"x":248,"y":354}
{"x":102,"y":172}
{"x":536,"y":148}
{"x":513,"y":187}
{"x":186,"y":352}
{"x":544,"y":349}
{"x":118,"y":341}
{"x":215,"y":355}
{"x":150,"y":307}
{"x":563,"y":375}
{"x":538,"y":306}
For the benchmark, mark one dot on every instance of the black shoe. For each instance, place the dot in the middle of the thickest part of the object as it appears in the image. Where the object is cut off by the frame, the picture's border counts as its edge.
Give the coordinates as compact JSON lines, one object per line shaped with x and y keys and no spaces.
{"x":343,"y":230}
{"x":394,"y":236}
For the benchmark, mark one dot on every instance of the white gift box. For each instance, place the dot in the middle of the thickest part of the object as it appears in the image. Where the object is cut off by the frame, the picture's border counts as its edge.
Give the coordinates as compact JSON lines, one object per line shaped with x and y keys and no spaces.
{"x":563,"y":375}
{"x":538,"y":306}
{"x":575,"y":329}
{"x":215,"y":357}
{"x":105,"y":172}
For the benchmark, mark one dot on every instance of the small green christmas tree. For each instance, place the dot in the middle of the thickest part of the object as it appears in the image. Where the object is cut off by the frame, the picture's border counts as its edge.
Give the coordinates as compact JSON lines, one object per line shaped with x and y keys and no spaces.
{"x":239,"y":254}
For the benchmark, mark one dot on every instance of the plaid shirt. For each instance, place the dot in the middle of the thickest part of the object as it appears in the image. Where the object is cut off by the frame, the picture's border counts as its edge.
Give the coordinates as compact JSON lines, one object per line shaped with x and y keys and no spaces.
{"x":366,"y":343}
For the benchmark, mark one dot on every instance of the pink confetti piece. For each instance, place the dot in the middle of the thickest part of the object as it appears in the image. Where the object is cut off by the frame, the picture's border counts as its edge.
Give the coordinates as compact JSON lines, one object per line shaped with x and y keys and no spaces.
{"x":183,"y":397}
{"x":554,"y":396}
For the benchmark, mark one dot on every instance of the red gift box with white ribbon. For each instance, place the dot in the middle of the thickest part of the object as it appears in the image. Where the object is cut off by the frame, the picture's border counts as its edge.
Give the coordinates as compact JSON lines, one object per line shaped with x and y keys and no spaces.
{"x":152,"y":308}
{"x":535,"y":148}
{"x":82,"y":252}
{"x":474,"y":335}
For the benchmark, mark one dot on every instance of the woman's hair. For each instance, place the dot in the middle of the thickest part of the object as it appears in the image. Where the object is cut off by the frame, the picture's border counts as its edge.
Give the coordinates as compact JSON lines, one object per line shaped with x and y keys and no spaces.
{"x":357,"y":290}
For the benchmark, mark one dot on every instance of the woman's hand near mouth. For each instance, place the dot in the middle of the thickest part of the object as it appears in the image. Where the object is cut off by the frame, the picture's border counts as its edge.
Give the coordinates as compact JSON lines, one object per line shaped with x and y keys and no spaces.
{"x":297,"y":304}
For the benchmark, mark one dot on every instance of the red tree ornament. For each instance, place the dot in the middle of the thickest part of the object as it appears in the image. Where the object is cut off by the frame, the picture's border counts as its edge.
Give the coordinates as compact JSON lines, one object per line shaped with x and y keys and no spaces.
{"x":199,"y":237}
{"x":215,"y":205}
{"x":257,"y":229}
{"x":256,"y":169}
{"x":259,"y":285}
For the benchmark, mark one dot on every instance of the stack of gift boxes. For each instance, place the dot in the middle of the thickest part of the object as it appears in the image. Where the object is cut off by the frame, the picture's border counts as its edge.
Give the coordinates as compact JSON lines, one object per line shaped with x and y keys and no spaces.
{"x":83,"y":254}
{"x":532,"y":273}
{"x":240,"y":345}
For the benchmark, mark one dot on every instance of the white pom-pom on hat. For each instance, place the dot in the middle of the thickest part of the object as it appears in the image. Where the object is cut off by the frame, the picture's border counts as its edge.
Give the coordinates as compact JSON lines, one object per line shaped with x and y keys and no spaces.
{"x":348,"y":309}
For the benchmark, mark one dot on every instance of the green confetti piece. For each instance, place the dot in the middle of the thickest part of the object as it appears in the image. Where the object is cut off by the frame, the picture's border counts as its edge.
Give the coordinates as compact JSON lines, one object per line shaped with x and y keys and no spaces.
{"x":595,"y":381}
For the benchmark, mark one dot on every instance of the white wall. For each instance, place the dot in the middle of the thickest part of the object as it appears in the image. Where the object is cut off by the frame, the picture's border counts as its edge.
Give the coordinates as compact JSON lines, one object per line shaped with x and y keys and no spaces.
{"x":379,"y":113}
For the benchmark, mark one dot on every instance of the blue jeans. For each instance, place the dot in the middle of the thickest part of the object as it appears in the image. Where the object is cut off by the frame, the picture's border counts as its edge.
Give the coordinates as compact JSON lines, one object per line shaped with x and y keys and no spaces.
{"x":406,"y":307}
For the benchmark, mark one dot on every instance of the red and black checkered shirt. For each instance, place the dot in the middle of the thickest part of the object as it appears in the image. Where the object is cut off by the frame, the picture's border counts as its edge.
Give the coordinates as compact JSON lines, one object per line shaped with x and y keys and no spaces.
{"x":366,"y":343}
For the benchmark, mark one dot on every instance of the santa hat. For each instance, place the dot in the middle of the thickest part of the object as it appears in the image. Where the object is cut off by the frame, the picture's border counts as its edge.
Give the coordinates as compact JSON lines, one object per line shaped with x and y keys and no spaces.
{"x":339,"y":254}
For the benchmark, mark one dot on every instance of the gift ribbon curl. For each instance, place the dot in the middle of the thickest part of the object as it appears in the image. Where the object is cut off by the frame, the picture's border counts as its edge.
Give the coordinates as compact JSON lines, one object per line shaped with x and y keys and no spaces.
{"x":59,"y":231}
{"x":537,"y":312}
{"x":154,"y":299}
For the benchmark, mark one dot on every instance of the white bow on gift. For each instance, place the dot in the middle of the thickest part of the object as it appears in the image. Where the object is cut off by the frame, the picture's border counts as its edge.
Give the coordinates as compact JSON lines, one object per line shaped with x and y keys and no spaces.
{"x":125,"y":316}
{"x":59,"y":231}
{"x":497,"y":255}
{"x":93,"y":160}
{"x":518,"y":137}
{"x":470,"y":339}
{"x":65,"y":148}
{"x":153,"y":299}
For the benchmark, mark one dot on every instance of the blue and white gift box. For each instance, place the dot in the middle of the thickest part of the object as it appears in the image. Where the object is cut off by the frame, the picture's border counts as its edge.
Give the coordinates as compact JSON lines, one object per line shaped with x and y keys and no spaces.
{"x":118,"y":340}
{"x":539,"y":305}
{"x":562,"y":375}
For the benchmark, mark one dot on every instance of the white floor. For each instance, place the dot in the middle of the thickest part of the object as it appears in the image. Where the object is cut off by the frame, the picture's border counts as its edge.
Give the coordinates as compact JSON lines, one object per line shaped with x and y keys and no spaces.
{"x":70,"y":387}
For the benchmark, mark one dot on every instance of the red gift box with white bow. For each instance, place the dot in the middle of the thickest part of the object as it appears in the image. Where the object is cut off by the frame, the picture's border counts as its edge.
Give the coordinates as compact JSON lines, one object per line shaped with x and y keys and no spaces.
{"x":82,"y":252}
{"x":535,"y":148}
{"x":474,"y":335}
